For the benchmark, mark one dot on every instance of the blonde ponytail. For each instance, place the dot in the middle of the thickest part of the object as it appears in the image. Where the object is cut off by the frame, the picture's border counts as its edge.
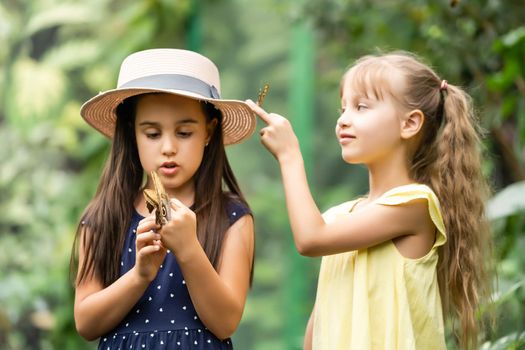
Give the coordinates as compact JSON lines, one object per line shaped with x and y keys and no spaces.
{"x":457,"y":179}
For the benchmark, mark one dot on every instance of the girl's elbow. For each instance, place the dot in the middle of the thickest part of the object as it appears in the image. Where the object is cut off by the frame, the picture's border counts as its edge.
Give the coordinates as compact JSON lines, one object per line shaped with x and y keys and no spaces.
{"x":85,"y":333}
{"x":225,"y":333}
{"x":310,"y":253}
{"x":84,"y":330}
{"x":306,"y":248}
{"x":227,"y":328}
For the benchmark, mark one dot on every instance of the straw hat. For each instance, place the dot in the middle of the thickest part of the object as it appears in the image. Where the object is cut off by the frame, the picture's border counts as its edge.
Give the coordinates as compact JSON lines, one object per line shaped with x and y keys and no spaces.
{"x":173,"y":71}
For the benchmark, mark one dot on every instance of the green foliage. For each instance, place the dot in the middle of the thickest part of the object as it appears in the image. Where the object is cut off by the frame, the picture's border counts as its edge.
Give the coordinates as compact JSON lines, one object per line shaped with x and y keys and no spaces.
{"x":57,"y":54}
{"x":507,"y":212}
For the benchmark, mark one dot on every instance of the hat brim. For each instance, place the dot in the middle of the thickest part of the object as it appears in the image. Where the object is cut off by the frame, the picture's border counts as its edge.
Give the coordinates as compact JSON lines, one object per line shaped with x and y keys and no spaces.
{"x":238,"y":120}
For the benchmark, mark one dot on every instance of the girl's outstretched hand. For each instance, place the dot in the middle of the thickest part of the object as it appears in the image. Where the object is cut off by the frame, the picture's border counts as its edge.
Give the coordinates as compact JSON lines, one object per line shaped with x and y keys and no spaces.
{"x":181,"y":230}
{"x":278,"y":136}
{"x":150,"y":252}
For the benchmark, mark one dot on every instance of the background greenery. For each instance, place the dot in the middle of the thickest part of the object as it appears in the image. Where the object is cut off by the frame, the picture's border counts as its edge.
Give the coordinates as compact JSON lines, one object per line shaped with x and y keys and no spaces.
{"x":56,"y":54}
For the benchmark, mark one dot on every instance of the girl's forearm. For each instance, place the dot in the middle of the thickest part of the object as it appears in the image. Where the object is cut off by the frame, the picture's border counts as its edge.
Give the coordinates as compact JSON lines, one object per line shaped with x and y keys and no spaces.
{"x":217,"y":306}
{"x":99,"y":312}
{"x":305,"y":218}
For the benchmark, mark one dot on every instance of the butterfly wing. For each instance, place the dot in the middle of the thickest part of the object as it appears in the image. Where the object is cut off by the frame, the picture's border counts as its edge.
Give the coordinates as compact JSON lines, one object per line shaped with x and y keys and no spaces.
{"x":162,"y":201}
{"x":262,"y":94}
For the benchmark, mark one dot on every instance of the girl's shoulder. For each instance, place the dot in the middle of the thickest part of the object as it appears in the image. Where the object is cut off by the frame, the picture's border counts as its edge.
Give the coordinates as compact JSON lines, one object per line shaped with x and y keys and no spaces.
{"x":396,"y":195}
{"x":406,"y":193}
{"x":343,"y":208}
{"x":236,"y":208}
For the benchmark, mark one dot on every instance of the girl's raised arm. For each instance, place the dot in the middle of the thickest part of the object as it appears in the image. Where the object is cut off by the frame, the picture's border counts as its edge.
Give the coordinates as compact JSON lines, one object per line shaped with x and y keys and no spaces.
{"x":370,"y":225}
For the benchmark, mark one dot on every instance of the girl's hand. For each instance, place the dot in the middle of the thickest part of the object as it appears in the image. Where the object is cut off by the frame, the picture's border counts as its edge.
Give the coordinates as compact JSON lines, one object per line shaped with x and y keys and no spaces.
{"x":181,"y":230}
{"x":150,"y":252}
{"x":278,"y":136}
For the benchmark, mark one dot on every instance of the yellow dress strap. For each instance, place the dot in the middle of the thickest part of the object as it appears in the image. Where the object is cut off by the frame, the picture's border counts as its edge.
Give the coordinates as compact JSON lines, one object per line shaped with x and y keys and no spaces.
{"x":341,"y":209}
{"x":407,"y":193}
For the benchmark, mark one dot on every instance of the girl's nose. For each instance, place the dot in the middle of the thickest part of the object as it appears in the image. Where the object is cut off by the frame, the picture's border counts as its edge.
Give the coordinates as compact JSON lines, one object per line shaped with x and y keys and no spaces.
{"x":169,"y":145}
{"x":343,"y":121}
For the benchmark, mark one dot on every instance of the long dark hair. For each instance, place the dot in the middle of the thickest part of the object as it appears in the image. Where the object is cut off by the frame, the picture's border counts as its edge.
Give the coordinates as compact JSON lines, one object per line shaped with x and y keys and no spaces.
{"x":106,"y":219}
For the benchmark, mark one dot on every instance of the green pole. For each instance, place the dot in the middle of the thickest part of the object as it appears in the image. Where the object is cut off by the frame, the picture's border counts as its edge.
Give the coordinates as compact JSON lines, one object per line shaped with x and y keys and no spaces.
{"x":194,"y":28}
{"x":298,"y":303}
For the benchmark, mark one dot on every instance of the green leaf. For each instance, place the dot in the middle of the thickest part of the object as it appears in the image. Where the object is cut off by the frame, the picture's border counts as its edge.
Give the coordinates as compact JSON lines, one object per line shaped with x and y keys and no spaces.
{"x":502,"y":296}
{"x":512,"y":341}
{"x":503,"y":79}
{"x":514,"y":37}
{"x":36,"y":93}
{"x":73,"y":54}
{"x":507,"y":202}
{"x":69,"y":13}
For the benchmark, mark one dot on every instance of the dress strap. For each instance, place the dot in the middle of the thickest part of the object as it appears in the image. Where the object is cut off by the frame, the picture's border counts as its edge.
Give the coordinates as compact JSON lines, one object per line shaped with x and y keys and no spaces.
{"x":408,"y":193}
{"x":236,"y":210}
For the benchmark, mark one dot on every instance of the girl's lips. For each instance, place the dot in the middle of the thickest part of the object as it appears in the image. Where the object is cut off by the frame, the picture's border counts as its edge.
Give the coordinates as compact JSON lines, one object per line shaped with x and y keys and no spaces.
{"x":169,"y":168}
{"x":345,"y":138}
{"x":169,"y":171}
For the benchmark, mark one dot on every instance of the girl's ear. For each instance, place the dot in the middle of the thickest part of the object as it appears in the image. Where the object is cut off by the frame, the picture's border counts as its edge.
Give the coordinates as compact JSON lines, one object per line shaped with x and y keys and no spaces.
{"x":210,"y":128}
{"x":412,"y":123}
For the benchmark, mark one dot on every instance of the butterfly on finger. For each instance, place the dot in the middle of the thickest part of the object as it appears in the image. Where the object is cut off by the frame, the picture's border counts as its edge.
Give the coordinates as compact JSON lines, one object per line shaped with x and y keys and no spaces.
{"x":157,"y":199}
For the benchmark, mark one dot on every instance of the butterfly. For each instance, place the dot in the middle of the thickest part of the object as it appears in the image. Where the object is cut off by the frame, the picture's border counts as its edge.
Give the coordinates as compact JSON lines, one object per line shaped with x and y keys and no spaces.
{"x":262,"y":94}
{"x":158,"y":200}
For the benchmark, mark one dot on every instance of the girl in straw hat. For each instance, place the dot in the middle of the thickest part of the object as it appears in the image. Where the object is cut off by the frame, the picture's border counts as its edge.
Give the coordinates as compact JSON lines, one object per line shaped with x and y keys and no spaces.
{"x":176,"y":279}
{"x":391,"y":259}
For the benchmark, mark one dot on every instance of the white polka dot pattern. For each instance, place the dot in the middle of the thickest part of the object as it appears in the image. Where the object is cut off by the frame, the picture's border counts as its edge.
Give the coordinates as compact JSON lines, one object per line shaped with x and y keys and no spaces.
{"x":164,"y":317}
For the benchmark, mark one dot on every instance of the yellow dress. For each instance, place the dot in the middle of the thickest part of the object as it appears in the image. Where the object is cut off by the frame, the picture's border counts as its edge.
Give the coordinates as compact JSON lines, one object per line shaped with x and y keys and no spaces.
{"x":375,"y":298}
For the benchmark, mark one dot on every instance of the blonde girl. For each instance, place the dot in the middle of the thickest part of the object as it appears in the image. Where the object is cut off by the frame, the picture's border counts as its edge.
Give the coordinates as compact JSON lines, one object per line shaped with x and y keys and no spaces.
{"x":182,"y":285}
{"x":417,"y":244}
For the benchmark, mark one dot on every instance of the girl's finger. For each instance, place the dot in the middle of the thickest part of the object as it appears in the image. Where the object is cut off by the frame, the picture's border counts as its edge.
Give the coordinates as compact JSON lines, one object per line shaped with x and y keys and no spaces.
{"x":148,"y":225}
{"x":259,"y":111}
{"x":263,"y":131}
{"x":150,"y":217}
{"x":176,"y":204}
{"x":149,"y":249}
{"x":147,"y":237}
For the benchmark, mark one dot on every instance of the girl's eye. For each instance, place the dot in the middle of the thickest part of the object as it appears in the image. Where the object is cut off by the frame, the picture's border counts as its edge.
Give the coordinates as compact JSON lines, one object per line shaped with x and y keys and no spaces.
{"x":184,"y":134}
{"x":153,"y":135}
{"x":341,"y":110}
{"x":361,"y":106}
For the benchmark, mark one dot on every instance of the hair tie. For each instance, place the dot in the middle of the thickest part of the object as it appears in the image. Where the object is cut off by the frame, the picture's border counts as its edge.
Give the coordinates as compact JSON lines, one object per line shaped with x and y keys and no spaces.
{"x":444,"y":85}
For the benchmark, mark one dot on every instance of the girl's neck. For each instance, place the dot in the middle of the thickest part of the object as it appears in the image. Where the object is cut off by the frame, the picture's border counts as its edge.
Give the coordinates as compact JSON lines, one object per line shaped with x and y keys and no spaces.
{"x":387,"y":174}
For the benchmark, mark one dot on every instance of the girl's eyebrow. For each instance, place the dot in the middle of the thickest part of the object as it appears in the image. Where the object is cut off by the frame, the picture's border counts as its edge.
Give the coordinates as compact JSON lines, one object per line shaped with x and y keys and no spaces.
{"x":188,"y":121}
{"x":359,"y":97}
{"x":148,"y":123}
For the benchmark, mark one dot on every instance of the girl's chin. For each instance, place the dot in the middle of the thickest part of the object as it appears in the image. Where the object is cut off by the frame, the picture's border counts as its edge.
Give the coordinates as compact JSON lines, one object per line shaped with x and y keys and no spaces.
{"x":350,"y":159}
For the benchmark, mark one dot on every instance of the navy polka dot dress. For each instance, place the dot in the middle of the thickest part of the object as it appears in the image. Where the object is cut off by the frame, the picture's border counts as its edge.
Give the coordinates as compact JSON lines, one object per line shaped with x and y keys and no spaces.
{"x":164,"y":317}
